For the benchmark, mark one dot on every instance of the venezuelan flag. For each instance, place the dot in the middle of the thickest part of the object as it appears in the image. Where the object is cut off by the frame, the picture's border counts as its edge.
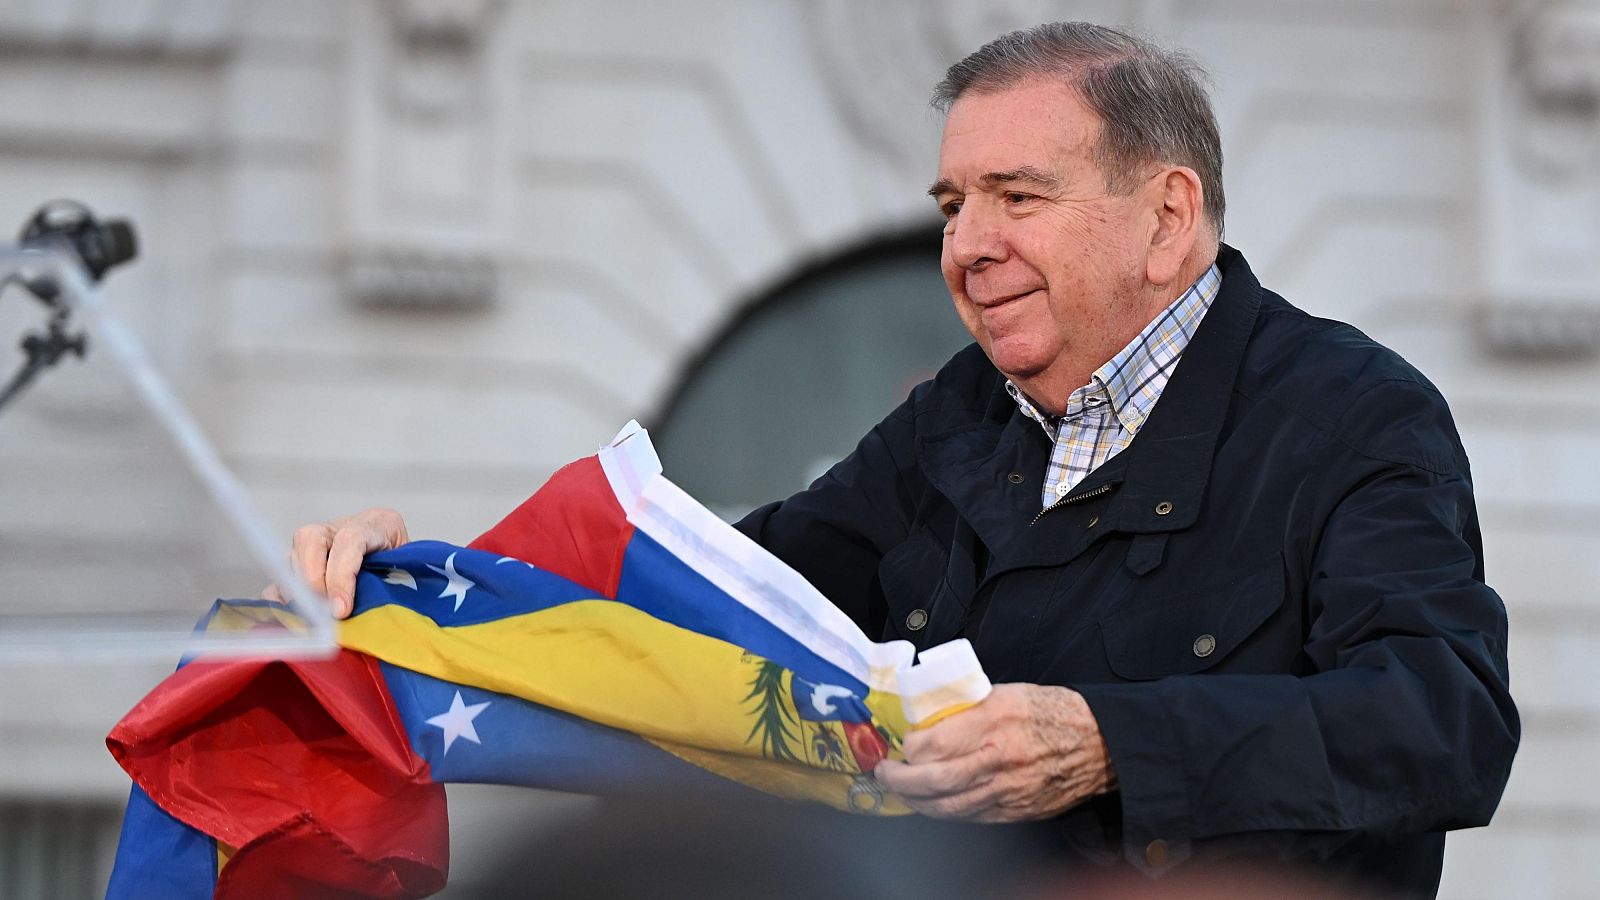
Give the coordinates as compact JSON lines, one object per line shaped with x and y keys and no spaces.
{"x":609,"y":635}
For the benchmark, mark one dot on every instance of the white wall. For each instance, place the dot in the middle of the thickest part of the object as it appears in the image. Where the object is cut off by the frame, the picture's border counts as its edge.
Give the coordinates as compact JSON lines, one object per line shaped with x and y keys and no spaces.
{"x":630,"y":173}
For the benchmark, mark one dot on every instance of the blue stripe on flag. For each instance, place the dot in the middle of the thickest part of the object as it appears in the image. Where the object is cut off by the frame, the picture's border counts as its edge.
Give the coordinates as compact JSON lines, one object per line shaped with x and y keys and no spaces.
{"x":656,"y":582}
{"x":489,"y":589}
{"x":519,"y":742}
{"x":159,"y":857}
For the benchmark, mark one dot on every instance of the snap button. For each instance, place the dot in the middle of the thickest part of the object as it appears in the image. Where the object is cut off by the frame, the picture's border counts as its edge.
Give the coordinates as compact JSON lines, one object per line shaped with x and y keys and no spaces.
{"x":1093,"y":521}
{"x":1155,"y":853}
{"x":1204,"y":644}
{"x":917,"y":619}
{"x":1014,"y":478}
{"x":1163,"y":507}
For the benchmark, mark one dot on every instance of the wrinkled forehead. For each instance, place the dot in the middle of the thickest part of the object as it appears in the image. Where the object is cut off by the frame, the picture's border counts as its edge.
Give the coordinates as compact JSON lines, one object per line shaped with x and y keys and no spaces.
{"x":1024,"y":124}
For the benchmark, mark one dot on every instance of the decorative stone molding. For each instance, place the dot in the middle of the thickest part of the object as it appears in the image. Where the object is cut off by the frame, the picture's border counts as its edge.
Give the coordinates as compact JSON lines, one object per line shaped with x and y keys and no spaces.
{"x":881,"y":65}
{"x":900,"y":50}
{"x":1545,"y":331}
{"x":407,"y":278}
{"x":1540,"y":200}
{"x":458,"y":25}
{"x":425,"y":142}
{"x":1555,"y":97}
{"x":112,"y":28}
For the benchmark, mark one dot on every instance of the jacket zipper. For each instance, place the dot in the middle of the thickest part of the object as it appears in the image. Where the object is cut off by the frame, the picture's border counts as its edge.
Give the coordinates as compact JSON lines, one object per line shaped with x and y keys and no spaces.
{"x":1102,"y":489}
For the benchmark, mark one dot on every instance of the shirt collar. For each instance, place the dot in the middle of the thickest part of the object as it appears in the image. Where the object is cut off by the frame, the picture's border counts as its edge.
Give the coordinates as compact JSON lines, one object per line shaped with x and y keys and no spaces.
{"x":1132,"y":380}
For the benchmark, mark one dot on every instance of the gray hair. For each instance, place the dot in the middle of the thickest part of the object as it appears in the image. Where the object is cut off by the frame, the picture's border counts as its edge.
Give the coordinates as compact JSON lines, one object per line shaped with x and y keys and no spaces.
{"x":1152,"y":102}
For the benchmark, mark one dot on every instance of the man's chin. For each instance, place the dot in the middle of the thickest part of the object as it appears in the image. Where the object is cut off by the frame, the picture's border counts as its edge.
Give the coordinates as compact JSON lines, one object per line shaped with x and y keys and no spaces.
{"x":1015,"y":358}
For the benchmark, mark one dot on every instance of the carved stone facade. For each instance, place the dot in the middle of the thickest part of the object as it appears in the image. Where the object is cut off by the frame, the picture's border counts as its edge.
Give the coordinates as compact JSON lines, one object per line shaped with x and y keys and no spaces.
{"x":419,"y":253}
{"x":1542,"y":210}
{"x":425,"y":155}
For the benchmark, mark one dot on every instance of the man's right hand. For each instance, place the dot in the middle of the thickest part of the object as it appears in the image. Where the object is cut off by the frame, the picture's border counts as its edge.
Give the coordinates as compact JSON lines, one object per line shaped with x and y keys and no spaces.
{"x":328,"y":555}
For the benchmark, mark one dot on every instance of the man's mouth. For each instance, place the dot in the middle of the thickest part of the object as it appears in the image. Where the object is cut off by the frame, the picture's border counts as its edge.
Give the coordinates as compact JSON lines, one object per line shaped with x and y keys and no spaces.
{"x":1003,"y":299}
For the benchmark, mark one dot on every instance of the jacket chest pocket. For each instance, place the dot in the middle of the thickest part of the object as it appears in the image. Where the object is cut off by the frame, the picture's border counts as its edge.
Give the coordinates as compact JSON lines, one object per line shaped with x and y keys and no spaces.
{"x":921,"y":605}
{"x":1192,"y":630}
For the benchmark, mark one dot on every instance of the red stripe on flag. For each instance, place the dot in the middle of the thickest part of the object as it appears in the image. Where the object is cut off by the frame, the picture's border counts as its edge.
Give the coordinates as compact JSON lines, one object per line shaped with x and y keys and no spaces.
{"x":573,"y":526}
{"x":304,"y":766}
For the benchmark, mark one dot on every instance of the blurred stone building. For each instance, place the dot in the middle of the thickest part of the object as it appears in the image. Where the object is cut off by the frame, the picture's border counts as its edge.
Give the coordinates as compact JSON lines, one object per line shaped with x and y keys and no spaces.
{"x":418,"y":253}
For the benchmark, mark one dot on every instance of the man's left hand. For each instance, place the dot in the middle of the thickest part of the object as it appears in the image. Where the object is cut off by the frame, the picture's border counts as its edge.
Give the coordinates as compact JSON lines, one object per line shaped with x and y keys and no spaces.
{"x":1026,"y":752}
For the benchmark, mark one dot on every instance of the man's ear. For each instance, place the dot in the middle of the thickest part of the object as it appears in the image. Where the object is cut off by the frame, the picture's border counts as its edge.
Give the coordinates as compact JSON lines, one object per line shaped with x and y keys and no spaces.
{"x":1178,"y":202}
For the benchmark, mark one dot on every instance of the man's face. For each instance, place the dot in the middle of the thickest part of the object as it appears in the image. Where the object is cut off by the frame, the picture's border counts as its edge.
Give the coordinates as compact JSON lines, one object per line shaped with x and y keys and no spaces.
{"x":1045,"y":267}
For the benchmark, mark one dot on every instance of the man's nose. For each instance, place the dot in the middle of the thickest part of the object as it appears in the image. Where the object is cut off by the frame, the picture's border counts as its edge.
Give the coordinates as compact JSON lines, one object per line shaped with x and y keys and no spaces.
{"x":975,"y":237}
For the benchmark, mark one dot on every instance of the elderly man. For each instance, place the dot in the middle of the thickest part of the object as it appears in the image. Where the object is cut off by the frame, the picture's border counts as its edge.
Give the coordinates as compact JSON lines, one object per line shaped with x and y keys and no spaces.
{"x":1224,"y":554}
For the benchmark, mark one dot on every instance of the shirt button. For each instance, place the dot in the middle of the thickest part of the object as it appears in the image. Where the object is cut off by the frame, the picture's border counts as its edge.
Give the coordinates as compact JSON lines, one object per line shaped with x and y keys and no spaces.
{"x":1204,"y":644}
{"x":917,"y":619}
{"x":1014,"y":478}
{"x":1061,"y":489}
{"x":1163,"y":507}
{"x":1155,"y":853}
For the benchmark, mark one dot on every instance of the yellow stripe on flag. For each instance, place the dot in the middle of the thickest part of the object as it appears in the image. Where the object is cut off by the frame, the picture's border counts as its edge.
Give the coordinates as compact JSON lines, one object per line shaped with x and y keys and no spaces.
{"x":841,"y":790}
{"x":598,"y":659}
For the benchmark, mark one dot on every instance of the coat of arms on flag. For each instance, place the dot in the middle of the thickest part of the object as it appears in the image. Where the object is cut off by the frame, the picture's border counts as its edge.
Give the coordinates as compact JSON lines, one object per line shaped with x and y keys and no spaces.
{"x":610,"y":634}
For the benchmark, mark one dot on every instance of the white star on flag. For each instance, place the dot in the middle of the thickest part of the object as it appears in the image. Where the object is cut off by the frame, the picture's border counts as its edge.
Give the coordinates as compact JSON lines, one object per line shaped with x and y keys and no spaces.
{"x":457,"y":721}
{"x":396,"y":575}
{"x":458,"y":585}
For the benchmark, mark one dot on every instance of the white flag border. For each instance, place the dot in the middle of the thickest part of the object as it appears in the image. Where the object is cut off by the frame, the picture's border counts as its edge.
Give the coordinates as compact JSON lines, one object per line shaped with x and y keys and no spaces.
{"x":948,"y":674}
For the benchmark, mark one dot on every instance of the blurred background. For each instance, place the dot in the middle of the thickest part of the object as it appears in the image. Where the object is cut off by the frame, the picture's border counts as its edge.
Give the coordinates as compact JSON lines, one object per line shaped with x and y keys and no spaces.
{"x":419,"y":253}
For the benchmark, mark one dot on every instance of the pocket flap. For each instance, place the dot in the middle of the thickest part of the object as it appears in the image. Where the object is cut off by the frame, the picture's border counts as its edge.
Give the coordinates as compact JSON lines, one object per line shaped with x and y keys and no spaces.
{"x":1180,"y":634}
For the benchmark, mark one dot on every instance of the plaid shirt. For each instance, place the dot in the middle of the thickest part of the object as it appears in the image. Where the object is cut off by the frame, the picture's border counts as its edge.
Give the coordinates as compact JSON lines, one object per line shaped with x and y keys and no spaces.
{"x":1103,"y":416}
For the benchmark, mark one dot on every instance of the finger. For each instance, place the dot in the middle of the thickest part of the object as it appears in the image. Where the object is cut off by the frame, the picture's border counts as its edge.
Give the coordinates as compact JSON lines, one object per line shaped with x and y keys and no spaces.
{"x":940,"y":778}
{"x":350,"y":546}
{"x":956,"y":736}
{"x":271,"y":592}
{"x":388,"y":525}
{"x":999,"y":813}
{"x":978,"y":803}
{"x":1005,"y":797}
{"x":308,"y":551}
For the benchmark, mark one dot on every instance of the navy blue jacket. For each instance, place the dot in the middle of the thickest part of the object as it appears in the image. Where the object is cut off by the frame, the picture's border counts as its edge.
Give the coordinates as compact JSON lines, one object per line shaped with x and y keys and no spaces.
{"x":1273,"y":600}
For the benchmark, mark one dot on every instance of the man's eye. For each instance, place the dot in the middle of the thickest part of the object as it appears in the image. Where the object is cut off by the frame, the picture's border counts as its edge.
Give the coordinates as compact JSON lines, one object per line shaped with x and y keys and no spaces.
{"x":950,"y":209}
{"x":1015,"y":197}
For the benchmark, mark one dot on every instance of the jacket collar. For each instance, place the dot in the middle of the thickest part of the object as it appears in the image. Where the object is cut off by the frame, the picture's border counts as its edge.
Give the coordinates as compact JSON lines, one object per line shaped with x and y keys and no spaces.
{"x":1161,"y":478}
{"x":1170,"y":461}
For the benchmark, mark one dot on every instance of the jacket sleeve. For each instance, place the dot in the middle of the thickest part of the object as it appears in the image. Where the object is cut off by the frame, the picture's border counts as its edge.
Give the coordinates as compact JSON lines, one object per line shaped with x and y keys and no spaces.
{"x":1403,"y":723}
{"x":836,"y":531}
